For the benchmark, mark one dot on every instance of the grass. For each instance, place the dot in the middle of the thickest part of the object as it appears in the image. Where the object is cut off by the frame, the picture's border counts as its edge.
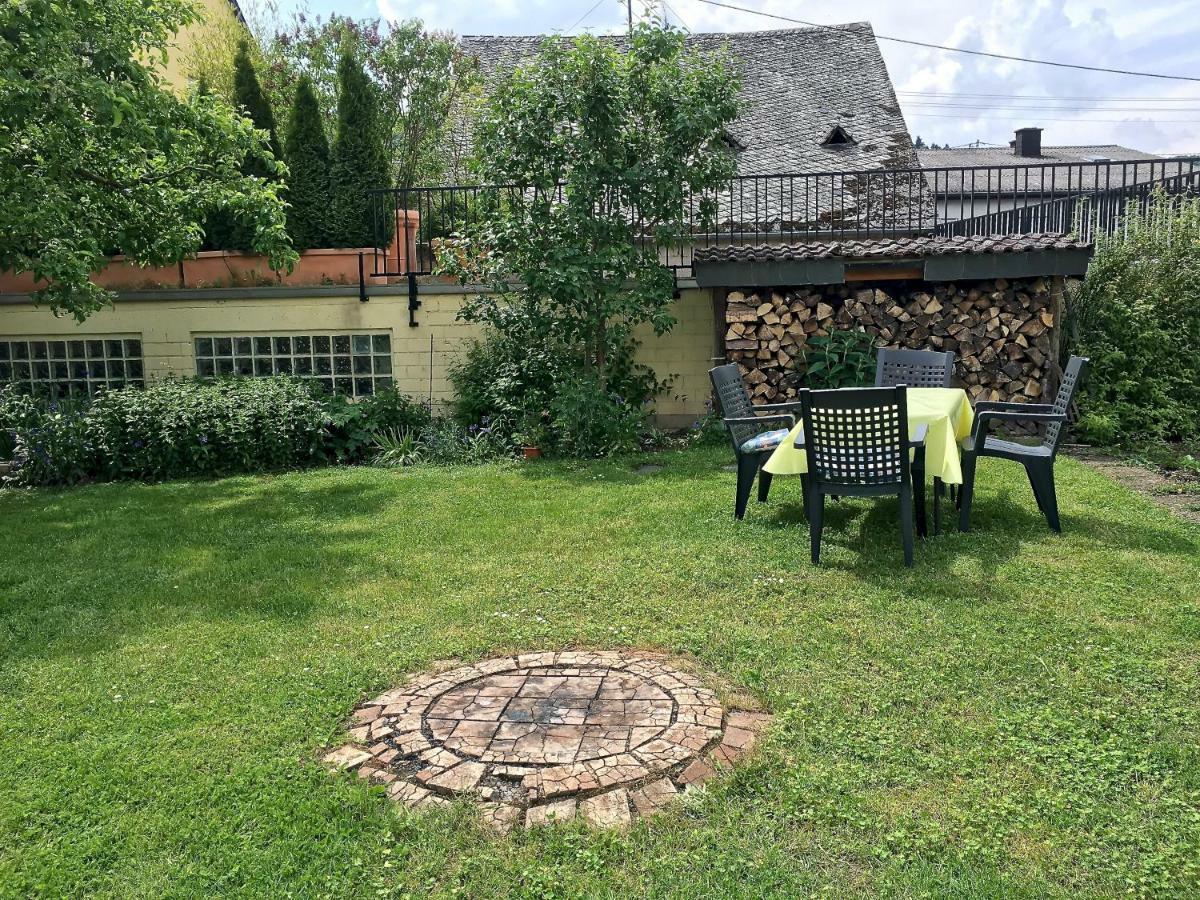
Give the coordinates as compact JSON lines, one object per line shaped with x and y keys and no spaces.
{"x":1018,"y":715}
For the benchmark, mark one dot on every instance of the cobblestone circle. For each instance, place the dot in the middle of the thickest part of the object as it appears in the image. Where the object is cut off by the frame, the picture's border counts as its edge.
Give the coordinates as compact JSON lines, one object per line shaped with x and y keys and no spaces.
{"x":540,"y":737}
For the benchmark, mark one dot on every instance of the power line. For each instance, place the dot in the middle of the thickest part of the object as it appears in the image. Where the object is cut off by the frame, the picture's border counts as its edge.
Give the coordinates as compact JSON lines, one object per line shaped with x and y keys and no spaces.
{"x":983,"y":115}
{"x":682,"y":23}
{"x":1092,"y":99}
{"x":899,"y":40}
{"x":933,"y":104}
{"x":595,"y":6}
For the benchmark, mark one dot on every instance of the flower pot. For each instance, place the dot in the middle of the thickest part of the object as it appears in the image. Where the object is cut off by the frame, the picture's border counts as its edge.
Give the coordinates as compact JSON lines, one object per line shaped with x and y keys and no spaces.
{"x":532,"y":452}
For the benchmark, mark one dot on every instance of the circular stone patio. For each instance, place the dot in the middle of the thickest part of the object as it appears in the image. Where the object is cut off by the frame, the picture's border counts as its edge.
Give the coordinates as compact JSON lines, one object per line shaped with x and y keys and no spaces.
{"x":607,"y":736}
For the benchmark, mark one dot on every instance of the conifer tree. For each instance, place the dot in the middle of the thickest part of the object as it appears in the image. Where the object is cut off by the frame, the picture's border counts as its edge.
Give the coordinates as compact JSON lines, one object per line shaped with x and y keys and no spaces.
{"x":358,"y":162}
{"x":306,"y":151}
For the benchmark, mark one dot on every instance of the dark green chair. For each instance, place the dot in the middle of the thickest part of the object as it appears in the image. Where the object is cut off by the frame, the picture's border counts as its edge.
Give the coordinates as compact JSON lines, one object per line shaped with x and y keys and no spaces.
{"x":914,"y":368}
{"x":918,"y":368}
{"x":857,"y":445}
{"x":754,"y":431}
{"x":1038,"y":459}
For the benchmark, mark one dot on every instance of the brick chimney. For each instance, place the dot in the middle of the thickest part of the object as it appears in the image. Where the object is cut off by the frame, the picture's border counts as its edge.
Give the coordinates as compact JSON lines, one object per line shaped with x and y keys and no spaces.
{"x":1028,"y":142}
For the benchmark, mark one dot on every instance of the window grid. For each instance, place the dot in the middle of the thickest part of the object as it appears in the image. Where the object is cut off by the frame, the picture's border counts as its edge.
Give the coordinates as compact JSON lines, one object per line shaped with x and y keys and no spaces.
{"x":355,"y":364}
{"x":75,"y":367}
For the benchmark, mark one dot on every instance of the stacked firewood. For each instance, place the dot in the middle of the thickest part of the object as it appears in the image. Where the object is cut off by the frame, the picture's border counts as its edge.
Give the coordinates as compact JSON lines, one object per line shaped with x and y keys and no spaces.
{"x":1003,"y":332}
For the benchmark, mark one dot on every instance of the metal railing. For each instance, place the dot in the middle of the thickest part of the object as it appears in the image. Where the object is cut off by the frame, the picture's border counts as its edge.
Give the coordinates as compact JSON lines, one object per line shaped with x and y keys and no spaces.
{"x":1086,"y":198}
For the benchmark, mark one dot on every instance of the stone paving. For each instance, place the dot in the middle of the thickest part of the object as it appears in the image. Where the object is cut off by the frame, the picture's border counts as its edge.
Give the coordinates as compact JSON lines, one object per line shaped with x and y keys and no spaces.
{"x":548,"y":737}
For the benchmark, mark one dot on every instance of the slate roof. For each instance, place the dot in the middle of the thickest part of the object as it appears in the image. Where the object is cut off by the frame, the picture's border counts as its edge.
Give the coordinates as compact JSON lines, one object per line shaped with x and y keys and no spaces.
{"x":1103,"y":167}
{"x":888,"y":248}
{"x":797,"y":85}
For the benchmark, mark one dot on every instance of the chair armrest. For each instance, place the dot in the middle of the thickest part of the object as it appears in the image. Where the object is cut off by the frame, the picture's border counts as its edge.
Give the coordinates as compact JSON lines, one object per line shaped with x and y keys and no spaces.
{"x":983,"y":420}
{"x":758,"y":420}
{"x":793,"y":407}
{"x":991,"y":405}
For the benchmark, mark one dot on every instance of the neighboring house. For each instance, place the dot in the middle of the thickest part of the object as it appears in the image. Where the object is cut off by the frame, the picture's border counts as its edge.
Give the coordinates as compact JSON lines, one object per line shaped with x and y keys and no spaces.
{"x":978,"y":181}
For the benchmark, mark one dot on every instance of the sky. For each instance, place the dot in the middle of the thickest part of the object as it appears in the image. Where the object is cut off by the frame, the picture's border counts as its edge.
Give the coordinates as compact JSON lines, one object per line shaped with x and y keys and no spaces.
{"x":948,"y":98}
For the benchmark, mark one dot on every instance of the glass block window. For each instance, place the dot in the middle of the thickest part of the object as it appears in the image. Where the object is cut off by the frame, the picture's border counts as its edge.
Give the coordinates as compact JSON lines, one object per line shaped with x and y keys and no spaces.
{"x":79,"y":367}
{"x":355,"y":364}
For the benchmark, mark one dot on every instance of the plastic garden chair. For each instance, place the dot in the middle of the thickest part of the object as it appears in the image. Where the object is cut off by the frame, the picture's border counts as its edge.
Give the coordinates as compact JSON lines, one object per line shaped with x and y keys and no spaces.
{"x":754,"y":431}
{"x":918,"y":368}
{"x":857,"y":444}
{"x":1038,"y":459}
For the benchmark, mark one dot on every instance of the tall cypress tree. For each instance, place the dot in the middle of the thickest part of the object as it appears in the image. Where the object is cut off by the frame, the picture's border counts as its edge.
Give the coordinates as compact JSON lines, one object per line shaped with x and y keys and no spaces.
{"x":223,"y":232}
{"x":358,"y":161}
{"x":306,"y":150}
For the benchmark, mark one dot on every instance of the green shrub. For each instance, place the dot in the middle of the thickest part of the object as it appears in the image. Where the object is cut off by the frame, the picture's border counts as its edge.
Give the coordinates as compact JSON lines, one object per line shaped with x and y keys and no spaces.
{"x":588,"y":420}
{"x":357,"y":164}
{"x":844,"y":358}
{"x":517,"y":387}
{"x":353,"y":427}
{"x":1137,"y":316}
{"x":187,"y":428}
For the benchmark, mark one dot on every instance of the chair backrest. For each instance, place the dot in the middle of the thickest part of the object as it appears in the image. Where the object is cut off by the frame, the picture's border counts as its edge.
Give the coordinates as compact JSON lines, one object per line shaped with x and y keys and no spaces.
{"x":1073,"y":376}
{"x":914,"y":368}
{"x":857,"y":436}
{"x":734,"y":401}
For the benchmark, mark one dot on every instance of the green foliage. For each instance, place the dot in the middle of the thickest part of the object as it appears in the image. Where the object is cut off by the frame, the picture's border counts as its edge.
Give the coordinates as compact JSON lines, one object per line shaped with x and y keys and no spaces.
{"x":630,"y":137}
{"x":396,"y":449}
{"x":528,"y":391}
{"x":100,"y":157}
{"x":306,"y":150}
{"x":589,"y":419}
{"x":353,"y":426}
{"x":1137,"y":316}
{"x":421,"y":77}
{"x":223,"y":230}
{"x":843,"y":358}
{"x":358,"y":164}
{"x":187,"y":428}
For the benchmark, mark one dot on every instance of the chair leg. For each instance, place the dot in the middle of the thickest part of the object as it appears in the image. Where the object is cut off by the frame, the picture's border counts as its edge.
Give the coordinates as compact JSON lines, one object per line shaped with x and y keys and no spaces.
{"x":906,"y":523}
{"x":918,"y":488}
{"x":747,"y":469}
{"x":939,"y":488}
{"x":1047,"y":495}
{"x":1037,"y":488}
{"x":966,"y":491}
{"x":816,"y":516}
{"x":804,"y":495}
{"x":764,"y":485}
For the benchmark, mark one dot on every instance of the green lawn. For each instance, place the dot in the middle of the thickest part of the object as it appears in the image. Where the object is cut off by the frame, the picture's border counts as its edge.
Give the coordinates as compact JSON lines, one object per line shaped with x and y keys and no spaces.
{"x":1018,"y":715}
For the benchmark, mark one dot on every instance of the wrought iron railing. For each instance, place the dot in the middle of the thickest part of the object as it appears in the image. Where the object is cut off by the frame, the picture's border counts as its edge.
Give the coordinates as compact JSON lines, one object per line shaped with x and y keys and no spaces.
{"x":1081,"y":198}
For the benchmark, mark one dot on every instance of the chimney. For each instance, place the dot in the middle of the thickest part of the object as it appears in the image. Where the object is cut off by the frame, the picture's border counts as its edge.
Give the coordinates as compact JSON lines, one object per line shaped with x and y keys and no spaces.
{"x":1028,"y":142}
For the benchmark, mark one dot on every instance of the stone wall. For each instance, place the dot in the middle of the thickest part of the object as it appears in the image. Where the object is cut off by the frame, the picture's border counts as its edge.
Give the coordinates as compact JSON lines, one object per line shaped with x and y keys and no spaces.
{"x":1004,"y":333}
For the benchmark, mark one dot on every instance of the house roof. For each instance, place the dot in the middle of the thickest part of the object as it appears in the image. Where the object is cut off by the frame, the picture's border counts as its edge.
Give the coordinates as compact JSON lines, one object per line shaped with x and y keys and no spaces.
{"x":889,"y":248}
{"x":1103,"y":166}
{"x":797,"y":85}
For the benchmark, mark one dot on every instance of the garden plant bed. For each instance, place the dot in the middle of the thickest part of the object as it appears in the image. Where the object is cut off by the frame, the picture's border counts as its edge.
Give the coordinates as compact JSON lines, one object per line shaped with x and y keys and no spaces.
{"x":1178,"y":491}
{"x":1016,"y":715}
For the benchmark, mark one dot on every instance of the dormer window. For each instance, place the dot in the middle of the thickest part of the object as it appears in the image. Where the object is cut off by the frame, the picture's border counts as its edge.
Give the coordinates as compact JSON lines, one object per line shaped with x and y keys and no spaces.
{"x":838,"y":137}
{"x":731,"y":142}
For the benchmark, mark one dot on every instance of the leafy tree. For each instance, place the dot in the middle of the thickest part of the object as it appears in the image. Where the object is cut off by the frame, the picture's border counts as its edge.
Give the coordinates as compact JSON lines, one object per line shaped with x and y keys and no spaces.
{"x":358,"y":162}
{"x":99,"y":156}
{"x":307,"y":153}
{"x":420,"y":76}
{"x":595,"y":139}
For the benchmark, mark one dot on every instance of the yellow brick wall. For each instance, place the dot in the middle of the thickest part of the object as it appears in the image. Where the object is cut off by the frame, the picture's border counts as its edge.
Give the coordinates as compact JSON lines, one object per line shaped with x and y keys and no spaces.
{"x":420,"y":356}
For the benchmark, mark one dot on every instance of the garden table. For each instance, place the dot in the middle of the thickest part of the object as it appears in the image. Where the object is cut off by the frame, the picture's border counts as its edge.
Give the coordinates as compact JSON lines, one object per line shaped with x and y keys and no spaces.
{"x":947,"y":414}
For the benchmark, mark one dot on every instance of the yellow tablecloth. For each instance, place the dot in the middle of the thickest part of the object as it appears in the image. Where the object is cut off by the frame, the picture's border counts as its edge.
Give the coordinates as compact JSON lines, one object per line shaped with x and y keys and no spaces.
{"x":947,"y":412}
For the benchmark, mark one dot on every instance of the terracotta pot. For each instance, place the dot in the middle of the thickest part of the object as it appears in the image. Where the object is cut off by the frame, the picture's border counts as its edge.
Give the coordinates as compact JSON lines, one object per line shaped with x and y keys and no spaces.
{"x":532,"y":452}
